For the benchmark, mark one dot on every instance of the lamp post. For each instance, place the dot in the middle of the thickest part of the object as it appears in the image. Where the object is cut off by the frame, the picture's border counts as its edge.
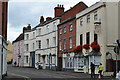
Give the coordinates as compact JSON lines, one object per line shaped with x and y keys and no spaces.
{"x":116,"y":50}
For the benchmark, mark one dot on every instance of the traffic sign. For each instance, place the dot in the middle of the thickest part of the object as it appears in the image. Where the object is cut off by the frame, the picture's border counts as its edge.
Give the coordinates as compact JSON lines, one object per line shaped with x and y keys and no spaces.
{"x":118,"y":42}
{"x":116,"y":49}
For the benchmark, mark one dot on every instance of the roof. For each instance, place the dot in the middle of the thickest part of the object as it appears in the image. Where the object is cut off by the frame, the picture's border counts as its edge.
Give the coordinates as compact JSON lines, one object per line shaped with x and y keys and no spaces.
{"x":45,"y":23}
{"x":19,"y":38}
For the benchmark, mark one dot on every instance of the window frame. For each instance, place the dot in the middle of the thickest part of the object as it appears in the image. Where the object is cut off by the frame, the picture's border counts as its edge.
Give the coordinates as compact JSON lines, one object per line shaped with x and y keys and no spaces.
{"x":71,"y":28}
{"x":88,"y":18}
{"x":81,"y":21}
{"x":70,"y":42}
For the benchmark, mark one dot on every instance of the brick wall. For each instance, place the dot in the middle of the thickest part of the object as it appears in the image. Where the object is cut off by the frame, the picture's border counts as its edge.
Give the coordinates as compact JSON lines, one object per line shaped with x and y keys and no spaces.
{"x":66,"y":19}
{"x":3,"y":18}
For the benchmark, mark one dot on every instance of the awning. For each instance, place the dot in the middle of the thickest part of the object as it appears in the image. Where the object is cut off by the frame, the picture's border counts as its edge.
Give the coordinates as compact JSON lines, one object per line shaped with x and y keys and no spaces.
{"x":94,"y":53}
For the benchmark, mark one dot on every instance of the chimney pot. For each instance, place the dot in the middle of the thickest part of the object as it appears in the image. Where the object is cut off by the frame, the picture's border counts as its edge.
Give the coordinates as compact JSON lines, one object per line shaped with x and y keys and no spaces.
{"x":41,"y":20}
{"x":58,"y":11}
{"x":58,"y":5}
{"x":48,"y":18}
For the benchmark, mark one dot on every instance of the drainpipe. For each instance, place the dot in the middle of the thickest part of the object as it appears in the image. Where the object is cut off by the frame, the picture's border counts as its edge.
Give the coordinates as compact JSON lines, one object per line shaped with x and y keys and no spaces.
{"x":2,"y":42}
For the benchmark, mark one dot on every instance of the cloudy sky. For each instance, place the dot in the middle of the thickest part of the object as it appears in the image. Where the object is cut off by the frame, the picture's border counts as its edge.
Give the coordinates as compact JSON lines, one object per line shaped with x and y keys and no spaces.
{"x":24,"y":12}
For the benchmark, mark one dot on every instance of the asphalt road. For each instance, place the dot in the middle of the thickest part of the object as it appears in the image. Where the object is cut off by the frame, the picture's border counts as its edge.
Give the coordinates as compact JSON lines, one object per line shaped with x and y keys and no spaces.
{"x":19,"y":73}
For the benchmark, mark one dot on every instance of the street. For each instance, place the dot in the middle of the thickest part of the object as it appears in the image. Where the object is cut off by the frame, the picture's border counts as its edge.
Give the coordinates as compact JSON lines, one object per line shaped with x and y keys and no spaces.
{"x":31,"y":74}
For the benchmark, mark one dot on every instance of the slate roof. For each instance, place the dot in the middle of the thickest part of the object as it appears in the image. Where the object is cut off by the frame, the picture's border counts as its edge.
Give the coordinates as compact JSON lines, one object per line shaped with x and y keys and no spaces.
{"x":19,"y":38}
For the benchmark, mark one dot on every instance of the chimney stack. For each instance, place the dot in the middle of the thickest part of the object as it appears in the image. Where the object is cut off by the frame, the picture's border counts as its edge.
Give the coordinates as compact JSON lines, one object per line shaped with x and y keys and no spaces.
{"x":27,"y":28}
{"x":59,"y":10}
{"x":48,"y":18}
{"x":41,"y":20}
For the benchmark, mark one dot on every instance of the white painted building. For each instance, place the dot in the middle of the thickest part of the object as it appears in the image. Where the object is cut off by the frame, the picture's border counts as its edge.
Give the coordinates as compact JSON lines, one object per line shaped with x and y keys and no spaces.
{"x":46,"y":40}
{"x":41,"y":45}
{"x":3,"y":55}
{"x":100,"y":22}
{"x":29,"y":48}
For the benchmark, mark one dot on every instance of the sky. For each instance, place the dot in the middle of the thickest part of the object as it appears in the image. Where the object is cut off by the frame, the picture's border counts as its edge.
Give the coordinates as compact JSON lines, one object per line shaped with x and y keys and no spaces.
{"x":24,"y":12}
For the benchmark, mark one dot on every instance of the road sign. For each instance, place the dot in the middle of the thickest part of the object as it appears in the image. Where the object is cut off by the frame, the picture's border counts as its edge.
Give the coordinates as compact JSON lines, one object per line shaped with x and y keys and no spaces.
{"x":118,"y":42}
{"x":116,"y":49}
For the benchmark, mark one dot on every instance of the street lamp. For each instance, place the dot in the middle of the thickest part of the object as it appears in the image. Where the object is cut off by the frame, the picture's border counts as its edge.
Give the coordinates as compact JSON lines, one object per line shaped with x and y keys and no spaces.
{"x":116,"y":50}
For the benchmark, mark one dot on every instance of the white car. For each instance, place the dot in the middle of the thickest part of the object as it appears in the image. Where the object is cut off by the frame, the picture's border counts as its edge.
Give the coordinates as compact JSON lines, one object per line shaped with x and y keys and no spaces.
{"x":118,"y":76}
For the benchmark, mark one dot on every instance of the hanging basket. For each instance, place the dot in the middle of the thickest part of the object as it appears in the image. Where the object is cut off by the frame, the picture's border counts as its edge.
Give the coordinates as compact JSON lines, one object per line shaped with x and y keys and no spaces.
{"x":96,"y":47}
{"x":78,"y":49}
{"x":93,"y":43}
{"x":86,"y":46}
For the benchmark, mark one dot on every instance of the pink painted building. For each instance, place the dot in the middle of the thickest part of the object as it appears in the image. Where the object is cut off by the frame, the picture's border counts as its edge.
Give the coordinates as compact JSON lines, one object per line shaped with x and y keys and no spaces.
{"x":18,"y":50}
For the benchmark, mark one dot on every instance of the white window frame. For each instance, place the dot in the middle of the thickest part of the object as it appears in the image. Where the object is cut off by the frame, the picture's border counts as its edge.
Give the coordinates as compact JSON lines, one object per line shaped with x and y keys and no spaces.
{"x":39,"y":44}
{"x":54,"y":41}
{"x":33,"y":46}
{"x":95,"y":15}
{"x":27,"y":36}
{"x":33,"y":34}
{"x":64,"y":44}
{"x":88,"y":18}
{"x":39,"y":31}
{"x":47,"y":28}
{"x":60,"y":45}
{"x":60,"y":31}
{"x":26,"y":47}
{"x":81,"y":21}
{"x":70,"y":42}
{"x":65,"y":29}
{"x":71,"y":27}
{"x":48,"y":42}
{"x":54,"y":26}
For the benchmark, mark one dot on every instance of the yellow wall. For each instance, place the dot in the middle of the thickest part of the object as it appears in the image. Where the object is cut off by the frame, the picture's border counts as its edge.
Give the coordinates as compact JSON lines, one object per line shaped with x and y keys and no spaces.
{"x":10,"y":51}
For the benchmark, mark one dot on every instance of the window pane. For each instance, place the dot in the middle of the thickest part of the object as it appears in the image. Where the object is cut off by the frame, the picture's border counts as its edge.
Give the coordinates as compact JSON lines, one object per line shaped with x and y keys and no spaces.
{"x":88,"y":37}
{"x":71,"y":27}
{"x":81,"y":39}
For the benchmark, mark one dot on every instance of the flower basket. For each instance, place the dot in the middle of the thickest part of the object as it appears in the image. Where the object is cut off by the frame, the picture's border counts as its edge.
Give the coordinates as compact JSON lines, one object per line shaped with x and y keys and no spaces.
{"x":95,"y":46}
{"x":93,"y":43}
{"x":86,"y":46}
{"x":78,"y":49}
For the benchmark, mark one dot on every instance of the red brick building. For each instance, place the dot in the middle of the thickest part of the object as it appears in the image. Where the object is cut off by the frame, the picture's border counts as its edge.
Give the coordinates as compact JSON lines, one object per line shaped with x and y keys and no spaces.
{"x":67,"y":31}
{"x":3,"y":18}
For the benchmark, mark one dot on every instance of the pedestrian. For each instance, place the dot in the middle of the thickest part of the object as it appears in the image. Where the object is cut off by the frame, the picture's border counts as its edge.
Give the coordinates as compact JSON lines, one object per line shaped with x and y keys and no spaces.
{"x":92,"y":70}
{"x":100,"y":69}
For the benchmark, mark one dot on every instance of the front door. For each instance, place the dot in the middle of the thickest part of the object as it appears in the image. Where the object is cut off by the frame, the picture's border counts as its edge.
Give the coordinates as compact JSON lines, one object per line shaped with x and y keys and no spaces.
{"x":32,"y":57}
{"x":43,"y":57}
